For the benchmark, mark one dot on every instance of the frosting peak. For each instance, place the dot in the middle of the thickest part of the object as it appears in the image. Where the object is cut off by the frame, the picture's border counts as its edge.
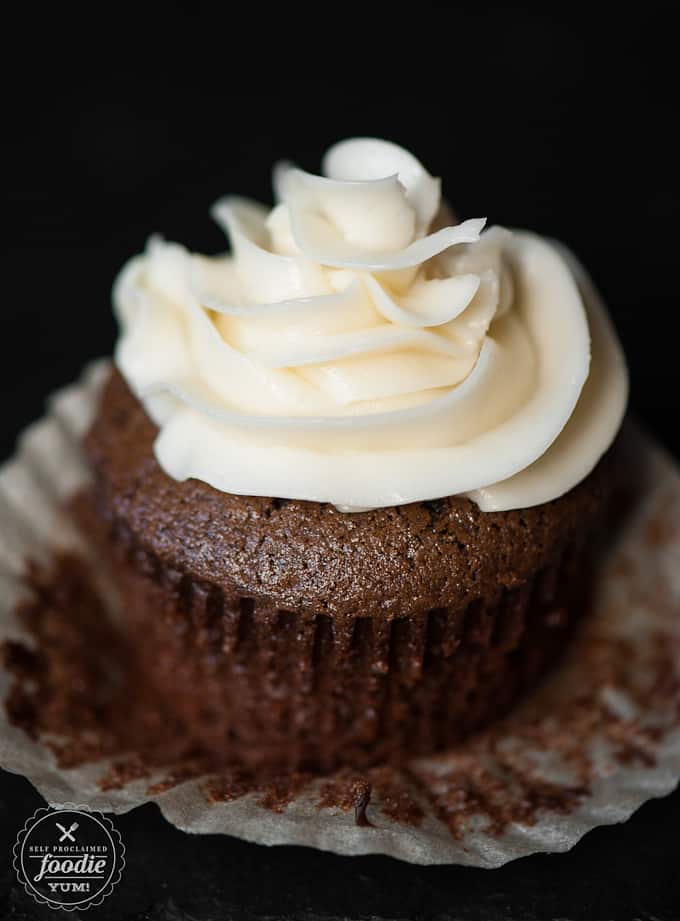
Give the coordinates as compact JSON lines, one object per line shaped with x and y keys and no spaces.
{"x":358,"y":346}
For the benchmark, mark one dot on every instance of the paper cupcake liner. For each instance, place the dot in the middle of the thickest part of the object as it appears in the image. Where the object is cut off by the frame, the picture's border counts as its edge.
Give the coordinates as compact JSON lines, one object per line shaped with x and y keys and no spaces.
{"x":596,"y":740}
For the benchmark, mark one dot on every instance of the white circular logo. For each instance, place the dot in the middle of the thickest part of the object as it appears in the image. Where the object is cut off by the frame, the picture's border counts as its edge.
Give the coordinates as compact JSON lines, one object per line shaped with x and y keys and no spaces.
{"x":69,"y":856}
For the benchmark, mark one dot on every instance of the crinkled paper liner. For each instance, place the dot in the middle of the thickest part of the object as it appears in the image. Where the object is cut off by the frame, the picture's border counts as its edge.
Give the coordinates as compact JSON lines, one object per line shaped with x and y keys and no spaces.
{"x":613,"y":748}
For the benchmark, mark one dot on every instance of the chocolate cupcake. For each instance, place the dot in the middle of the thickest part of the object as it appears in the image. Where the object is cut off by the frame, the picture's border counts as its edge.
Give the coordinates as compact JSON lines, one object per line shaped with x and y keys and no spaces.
{"x":348,"y":477}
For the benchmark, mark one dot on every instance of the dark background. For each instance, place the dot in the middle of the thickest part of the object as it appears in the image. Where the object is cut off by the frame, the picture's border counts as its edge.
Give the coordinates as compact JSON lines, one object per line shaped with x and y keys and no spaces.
{"x":126,"y":126}
{"x":124,"y":123}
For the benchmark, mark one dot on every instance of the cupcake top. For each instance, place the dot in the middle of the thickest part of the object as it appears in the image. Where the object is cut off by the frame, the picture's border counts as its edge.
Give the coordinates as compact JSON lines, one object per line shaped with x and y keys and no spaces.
{"x":359,"y":346}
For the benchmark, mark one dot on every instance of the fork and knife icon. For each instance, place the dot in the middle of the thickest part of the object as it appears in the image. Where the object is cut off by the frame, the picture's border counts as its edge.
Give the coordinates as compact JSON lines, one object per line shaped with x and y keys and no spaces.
{"x":67,"y":834}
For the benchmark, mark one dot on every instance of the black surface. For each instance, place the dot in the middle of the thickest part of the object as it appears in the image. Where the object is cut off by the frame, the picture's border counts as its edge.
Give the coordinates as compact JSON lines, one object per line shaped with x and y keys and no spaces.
{"x":623,"y":872}
{"x":547,"y":120}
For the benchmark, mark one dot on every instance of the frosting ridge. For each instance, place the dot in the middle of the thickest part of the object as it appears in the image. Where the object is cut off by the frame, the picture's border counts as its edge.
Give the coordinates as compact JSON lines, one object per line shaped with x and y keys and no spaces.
{"x":359,"y":347}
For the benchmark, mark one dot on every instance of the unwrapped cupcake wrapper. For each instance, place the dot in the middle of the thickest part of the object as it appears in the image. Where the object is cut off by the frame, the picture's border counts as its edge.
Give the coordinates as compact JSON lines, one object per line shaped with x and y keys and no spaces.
{"x":597,"y":739}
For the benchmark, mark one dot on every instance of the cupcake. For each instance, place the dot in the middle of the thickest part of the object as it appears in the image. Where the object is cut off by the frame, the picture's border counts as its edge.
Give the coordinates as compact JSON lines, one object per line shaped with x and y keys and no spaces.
{"x":348,"y":476}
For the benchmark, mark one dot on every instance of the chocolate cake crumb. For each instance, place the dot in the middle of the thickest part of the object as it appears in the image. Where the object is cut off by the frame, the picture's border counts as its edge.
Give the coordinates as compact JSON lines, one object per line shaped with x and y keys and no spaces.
{"x":386,"y":789}
{"x":274,"y":792}
{"x":228,"y":786}
{"x":348,"y":791}
{"x":123,"y":772}
{"x":176,"y":776}
{"x":362,"y":797}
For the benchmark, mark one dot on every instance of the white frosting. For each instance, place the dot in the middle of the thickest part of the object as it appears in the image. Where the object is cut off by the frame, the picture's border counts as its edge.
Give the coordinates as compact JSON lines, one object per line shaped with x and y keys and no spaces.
{"x":359,"y":347}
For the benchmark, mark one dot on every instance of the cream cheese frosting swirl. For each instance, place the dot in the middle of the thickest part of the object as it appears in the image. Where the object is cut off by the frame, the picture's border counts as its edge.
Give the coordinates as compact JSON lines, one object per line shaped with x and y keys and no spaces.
{"x":359,"y":346}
